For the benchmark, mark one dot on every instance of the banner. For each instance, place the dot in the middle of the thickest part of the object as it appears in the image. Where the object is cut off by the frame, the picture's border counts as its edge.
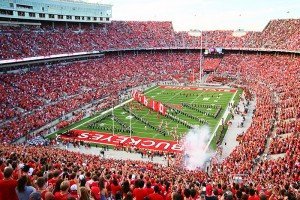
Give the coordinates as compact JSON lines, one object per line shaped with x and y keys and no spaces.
{"x":150,"y":103}
{"x":117,"y":140}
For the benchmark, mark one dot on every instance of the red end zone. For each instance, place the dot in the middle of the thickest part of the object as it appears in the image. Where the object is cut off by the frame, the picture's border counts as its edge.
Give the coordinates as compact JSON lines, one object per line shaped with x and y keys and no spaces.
{"x":197,"y":88}
{"x":116,"y":140}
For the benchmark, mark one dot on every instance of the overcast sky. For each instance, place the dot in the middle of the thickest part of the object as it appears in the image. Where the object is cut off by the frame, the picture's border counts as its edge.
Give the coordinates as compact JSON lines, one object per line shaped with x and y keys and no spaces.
{"x":206,"y":14}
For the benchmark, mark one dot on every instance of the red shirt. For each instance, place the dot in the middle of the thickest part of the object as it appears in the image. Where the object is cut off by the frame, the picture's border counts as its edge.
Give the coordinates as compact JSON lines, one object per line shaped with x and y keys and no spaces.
{"x":74,"y":194}
{"x":115,"y":189}
{"x":255,"y":197}
{"x":52,"y":181}
{"x":95,"y":191}
{"x":7,"y":189}
{"x":149,"y":190}
{"x":60,"y":196}
{"x":43,"y":194}
{"x":139,"y":193}
{"x":209,"y":190}
{"x":155,"y":196}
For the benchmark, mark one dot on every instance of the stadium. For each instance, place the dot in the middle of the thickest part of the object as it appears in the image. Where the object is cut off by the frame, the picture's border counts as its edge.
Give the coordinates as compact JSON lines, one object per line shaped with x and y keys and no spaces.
{"x":94,"y":108}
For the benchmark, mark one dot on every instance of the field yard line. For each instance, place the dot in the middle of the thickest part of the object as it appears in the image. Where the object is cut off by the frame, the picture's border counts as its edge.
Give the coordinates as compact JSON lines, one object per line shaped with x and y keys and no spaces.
{"x":220,"y":122}
{"x":110,"y":110}
{"x":197,"y":97}
{"x":174,"y":95}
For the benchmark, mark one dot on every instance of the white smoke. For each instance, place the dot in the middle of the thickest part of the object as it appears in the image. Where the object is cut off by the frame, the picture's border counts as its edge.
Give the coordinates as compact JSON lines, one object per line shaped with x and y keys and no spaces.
{"x":194,"y":145}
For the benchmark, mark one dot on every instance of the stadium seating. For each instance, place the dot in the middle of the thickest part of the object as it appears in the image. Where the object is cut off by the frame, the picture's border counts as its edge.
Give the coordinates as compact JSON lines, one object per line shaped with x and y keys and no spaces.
{"x":48,"y":39}
{"x":279,"y":34}
{"x":32,"y":99}
{"x":272,"y":84}
{"x":37,"y":97}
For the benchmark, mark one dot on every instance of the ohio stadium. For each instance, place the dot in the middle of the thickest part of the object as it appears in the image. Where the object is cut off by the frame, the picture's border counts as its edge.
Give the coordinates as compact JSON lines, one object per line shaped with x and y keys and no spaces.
{"x":93,"y":107}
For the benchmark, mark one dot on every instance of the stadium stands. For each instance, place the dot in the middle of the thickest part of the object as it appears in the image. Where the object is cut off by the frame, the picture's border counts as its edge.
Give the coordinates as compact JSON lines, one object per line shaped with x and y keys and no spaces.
{"x":48,"y":39}
{"x":270,"y":78}
{"x":279,"y":34}
{"x":45,"y":94}
{"x":32,"y":99}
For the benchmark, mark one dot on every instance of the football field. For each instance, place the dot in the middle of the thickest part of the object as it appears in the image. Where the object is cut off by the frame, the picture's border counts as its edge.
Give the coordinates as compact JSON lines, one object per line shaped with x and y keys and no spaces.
{"x":186,"y":107}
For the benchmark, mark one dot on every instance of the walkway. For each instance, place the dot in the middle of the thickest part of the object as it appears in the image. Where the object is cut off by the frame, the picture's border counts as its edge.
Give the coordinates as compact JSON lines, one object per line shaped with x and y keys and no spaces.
{"x":229,"y":141}
{"x":123,"y":155}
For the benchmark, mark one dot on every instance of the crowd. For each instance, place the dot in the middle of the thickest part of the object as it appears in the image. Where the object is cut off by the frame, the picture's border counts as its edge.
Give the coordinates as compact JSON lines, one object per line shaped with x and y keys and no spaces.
{"x":49,"y":39}
{"x":62,"y":38}
{"x":282,"y":145}
{"x":275,"y":82}
{"x":31,"y":99}
{"x":211,"y":64}
{"x":48,"y":173}
{"x":279,"y":34}
{"x":274,"y":86}
{"x":57,"y":90}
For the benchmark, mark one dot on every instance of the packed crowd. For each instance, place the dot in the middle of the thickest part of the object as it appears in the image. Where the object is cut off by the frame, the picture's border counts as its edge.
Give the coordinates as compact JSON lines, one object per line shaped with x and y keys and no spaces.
{"x":279,"y":34}
{"x":62,"y":38}
{"x":275,"y":86}
{"x":52,"y":174}
{"x":48,"y":40}
{"x":275,"y":82}
{"x":55,"y":91}
{"x":282,"y":145}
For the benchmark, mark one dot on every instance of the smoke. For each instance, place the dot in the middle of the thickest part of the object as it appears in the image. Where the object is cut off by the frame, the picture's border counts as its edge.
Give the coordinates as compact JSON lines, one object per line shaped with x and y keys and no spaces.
{"x":194,"y":145}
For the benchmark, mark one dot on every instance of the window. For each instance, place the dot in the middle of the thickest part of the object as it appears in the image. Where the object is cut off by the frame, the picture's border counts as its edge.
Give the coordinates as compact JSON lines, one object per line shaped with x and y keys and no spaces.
{"x":82,"y":18}
{"x":11,"y":5}
{"x":21,"y":13}
{"x":42,"y":15}
{"x":24,"y":6}
{"x":60,"y":17}
{"x":51,"y":16}
{"x":107,"y":19}
{"x":31,"y":14}
{"x":101,"y":18}
{"x":88,"y":18}
{"x":6,"y":12}
{"x":69,"y":17}
{"x":95,"y":18}
{"x":77,"y":18}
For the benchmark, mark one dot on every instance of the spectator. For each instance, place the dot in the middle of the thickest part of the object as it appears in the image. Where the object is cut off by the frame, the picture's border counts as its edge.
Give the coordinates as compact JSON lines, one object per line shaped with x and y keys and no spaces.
{"x":8,"y":185}
{"x":23,"y":190}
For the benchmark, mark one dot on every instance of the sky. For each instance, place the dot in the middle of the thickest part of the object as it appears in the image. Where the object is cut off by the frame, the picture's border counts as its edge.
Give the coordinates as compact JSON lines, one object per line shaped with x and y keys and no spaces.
{"x":206,"y":14}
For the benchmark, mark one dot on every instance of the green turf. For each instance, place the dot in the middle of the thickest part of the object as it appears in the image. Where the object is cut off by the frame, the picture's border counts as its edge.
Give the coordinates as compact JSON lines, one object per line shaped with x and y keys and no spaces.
{"x":166,"y":96}
{"x":173,"y":98}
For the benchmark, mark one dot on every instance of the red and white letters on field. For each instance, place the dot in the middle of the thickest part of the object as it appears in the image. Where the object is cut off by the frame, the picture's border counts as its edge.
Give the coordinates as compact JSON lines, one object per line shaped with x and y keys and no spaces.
{"x":115,"y":140}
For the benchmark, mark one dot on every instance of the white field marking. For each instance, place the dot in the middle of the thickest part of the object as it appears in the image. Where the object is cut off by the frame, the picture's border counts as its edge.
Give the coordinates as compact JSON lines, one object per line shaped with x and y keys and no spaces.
{"x":197,"y":97}
{"x":174,"y":95}
{"x":110,"y":110}
{"x":220,"y":122}
{"x":129,"y":117}
{"x":206,"y":98}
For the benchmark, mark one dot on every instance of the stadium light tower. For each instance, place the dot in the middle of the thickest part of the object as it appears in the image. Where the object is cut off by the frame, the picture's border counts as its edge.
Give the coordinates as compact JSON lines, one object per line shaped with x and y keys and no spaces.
{"x":199,"y":33}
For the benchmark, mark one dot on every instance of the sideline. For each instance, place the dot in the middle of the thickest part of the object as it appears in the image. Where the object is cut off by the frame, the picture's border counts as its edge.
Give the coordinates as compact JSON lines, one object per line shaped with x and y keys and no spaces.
{"x":220,"y":122}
